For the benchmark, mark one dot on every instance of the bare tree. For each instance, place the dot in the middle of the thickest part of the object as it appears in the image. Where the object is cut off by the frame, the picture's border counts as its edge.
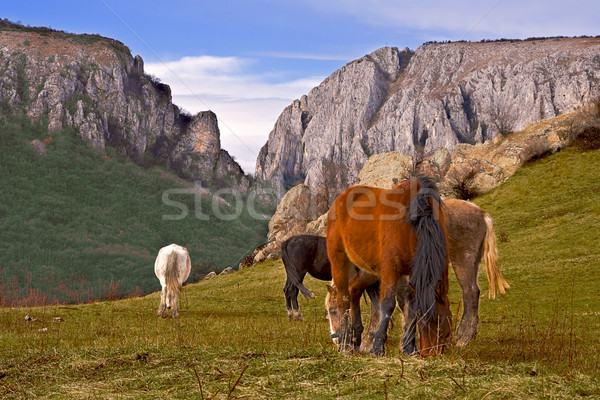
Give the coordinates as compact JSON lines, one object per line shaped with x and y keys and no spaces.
{"x":332,"y":181}
{"x":502,"y":117}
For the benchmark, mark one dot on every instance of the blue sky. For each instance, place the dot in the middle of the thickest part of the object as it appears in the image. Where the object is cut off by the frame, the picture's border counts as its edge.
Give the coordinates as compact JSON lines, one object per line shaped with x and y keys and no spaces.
{"x":248,"y":60}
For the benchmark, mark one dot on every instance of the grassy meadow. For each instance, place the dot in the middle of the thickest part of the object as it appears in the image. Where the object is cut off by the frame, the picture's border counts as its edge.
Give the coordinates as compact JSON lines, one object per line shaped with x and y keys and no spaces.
{"x":79,"y":224}
{"x":233,"y":339}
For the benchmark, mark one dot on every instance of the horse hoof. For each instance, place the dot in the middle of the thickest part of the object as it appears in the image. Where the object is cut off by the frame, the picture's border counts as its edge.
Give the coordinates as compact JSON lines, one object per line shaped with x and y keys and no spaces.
{"x":414,"y":353}
{"x":295,"y":315}
{"x":377,"y":352}
{"x":365,"y":348}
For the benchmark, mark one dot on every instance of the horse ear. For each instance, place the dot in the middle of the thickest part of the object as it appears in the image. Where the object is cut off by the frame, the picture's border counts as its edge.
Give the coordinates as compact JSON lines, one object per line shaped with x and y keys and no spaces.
{"x":332,"y":290}
{"x":410,"y":291}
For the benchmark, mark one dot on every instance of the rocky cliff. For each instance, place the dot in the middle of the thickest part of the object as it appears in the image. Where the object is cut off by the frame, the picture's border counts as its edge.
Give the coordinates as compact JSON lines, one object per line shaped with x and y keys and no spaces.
{"x":94,"y":86}
{"x":441,"y":95}
{"x":470,"y":170}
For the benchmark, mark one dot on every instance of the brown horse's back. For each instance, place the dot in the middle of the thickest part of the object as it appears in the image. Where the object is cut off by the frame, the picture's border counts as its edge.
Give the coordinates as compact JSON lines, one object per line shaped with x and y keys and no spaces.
{"x":466,"y":228}
{"x":472,"y":239}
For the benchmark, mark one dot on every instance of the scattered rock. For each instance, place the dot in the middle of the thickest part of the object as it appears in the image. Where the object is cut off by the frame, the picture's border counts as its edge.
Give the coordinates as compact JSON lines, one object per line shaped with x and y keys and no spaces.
{"x":38,"y":146}
{"x":248,"y":261}
{"x":58,"y":319}
{"x":43,"y":330}
{"x":210,"y":275}
{"x":226,"y":271}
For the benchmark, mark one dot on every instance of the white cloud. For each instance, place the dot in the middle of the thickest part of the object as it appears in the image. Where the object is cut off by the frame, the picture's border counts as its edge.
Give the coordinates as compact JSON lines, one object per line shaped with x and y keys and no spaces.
{"x":245,"y":103}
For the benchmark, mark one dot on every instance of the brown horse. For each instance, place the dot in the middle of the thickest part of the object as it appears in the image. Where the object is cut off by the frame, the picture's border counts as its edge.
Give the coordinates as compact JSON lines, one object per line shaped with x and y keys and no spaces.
{"x":391,"y":234}
{"x":471,"y":239}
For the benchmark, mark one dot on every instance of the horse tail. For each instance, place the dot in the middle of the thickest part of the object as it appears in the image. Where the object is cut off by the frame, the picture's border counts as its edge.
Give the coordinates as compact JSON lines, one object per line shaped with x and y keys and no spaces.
{"x":171,"y":278}
{"x":292,"y":272}
{"x":430,"y":259}
{"x":490,"y":255}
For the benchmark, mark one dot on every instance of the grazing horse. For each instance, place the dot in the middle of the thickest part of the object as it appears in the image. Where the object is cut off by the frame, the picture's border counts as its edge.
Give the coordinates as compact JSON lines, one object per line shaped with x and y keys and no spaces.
{"x":303,"y":254}
{"x":172,"y":268}
{"x":471,"y":240}
{"x":392,"y":234}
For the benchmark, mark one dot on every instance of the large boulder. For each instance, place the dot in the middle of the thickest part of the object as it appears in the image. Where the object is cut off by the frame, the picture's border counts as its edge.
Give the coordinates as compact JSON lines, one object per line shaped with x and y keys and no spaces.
{"x":386,"y":170}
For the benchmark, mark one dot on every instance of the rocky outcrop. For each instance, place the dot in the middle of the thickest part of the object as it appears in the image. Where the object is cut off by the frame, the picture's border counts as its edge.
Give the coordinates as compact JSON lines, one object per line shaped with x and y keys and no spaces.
{"x":295,"y":210}
{"x":481,"y":167}
{"x":386,"y":169}
{"x":93,"y":86}
{"x":440,"y":96}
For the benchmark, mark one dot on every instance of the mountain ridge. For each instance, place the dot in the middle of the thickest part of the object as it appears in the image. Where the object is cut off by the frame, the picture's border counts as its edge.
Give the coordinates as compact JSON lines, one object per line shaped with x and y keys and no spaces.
{"x":95,"y":85}
{"x":440,"y":95}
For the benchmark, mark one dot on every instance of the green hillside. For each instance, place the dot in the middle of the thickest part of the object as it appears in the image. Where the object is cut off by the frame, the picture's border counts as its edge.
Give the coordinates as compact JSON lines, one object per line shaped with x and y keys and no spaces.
{"x":77,"y":224}
{"x":233,"y":340}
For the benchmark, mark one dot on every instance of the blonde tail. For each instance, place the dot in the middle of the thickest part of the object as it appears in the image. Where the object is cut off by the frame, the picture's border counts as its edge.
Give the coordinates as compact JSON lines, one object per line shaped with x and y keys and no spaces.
{"x":490,"y":254}
{"x":171,"y":278}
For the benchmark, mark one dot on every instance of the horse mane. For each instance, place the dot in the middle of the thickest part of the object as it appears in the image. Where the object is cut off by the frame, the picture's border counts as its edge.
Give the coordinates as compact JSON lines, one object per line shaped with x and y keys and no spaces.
{"x":430,"y":258}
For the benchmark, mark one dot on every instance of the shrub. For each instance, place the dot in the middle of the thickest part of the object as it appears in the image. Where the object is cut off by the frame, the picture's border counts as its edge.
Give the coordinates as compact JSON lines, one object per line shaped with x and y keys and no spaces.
{"x":588,"y":139}
{"x":462,"y":183}
{"x":536,"y":148}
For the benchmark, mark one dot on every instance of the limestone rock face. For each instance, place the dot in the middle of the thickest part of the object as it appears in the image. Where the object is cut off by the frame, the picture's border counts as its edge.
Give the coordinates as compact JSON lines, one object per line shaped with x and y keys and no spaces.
{"x":94,"y":86}
{"x":331,"y":121}
{"x":485,"y":166}
{"x":440,"y":96}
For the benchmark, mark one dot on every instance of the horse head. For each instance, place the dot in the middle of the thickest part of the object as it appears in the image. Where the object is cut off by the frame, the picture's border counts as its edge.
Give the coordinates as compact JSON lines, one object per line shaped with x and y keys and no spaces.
{"x":435,"y":326}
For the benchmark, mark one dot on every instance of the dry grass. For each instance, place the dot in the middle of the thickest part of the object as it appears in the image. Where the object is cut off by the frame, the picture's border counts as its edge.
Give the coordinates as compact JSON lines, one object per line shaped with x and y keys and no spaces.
{"x":233,"y":339}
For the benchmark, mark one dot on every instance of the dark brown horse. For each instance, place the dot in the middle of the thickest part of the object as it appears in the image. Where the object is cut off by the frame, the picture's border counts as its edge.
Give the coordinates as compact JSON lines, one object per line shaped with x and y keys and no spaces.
{"x":392,"y":234}
{"x":302,"y":254}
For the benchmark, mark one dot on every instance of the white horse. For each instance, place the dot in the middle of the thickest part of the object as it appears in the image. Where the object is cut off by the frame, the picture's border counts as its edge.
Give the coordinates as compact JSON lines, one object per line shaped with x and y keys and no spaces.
{"x":172,"y":268}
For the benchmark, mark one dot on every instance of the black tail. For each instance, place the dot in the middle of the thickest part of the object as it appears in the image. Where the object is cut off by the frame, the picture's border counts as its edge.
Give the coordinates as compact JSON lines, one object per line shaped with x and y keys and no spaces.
{"x":429,"y":261}
{"x":292,"y":272}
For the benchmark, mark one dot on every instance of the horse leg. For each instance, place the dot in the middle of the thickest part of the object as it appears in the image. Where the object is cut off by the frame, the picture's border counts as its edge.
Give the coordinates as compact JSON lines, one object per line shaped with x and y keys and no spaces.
{"x":409,"y":324}
{"x":367,"y":342}
{"x":162,"y":308}
{"x":340,"y":271}
{"x":466,"y":273}
{"x":291,"y":300}
{"x":387,"y":305}
{"x":175,"y":304}
{"x":356,"y":325}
